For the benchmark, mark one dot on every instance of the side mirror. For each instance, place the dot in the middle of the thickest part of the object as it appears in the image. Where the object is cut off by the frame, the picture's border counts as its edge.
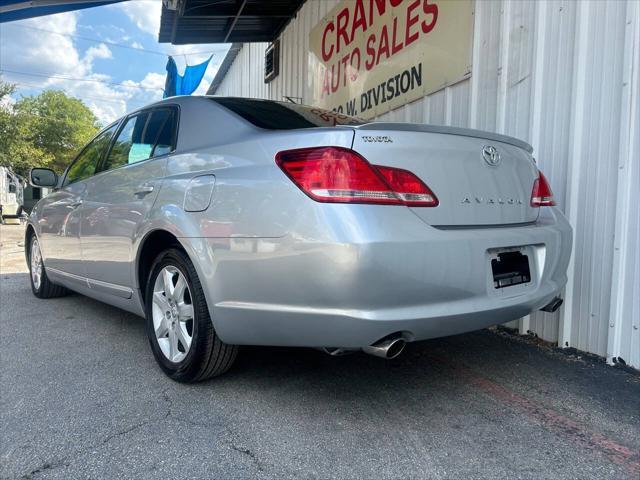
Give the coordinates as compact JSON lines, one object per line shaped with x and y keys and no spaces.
{"x":43,"y":177}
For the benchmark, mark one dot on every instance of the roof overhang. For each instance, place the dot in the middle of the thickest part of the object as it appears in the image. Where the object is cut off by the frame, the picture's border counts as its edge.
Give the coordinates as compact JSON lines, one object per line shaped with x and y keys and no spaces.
{"x":225,"y":21}
{"x":11,"y":10}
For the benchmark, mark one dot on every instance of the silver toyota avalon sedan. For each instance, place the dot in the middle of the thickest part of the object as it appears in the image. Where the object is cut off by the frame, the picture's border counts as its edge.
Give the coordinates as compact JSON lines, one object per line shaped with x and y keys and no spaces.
{"x":232,"y":221}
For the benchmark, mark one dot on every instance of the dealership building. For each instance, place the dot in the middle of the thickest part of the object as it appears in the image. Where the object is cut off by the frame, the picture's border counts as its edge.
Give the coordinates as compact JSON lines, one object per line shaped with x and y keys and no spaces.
{"x":561,"y":75}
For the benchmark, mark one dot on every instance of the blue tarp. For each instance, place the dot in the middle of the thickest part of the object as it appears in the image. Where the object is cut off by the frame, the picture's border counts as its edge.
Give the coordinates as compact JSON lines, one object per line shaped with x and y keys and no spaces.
{"x":11,"y":10}
{"x":183,"y":84}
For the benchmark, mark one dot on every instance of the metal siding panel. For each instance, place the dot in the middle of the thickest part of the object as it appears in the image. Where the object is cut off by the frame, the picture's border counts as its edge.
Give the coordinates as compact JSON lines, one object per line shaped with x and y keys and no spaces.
{"x":516,"y":73}
{"x":246,"y":73}
{"x":285,"y":73}
{"x":486,"y":64}
{"x":591,"y":206}
{"x":414,"y":111}
{"x":296,"y":75}
{"x":458,"y":112}
{"x":286,"y":45}
{"x":252,"y":87}
{"x":300,"y":47}
{"x":437,"y":108}
{"x":309,"y":19}
{"x":624,"y":316}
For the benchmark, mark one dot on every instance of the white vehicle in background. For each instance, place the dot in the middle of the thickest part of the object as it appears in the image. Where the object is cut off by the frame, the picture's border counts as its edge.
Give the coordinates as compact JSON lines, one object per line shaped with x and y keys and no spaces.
{"x":11,"y":195}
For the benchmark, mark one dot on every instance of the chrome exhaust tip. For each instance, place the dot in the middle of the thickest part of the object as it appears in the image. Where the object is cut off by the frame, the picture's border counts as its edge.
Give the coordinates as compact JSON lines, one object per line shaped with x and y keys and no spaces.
{"x":386,"y":349}
{"x":553,"y":305}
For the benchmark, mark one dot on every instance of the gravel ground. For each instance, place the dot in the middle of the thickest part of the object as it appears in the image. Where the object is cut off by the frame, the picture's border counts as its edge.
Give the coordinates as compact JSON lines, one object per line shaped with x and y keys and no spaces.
{"x":81,"y":397}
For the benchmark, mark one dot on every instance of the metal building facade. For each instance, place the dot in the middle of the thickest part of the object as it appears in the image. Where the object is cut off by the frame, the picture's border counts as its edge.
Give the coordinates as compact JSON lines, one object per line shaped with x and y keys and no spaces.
{"x":564,"y":76}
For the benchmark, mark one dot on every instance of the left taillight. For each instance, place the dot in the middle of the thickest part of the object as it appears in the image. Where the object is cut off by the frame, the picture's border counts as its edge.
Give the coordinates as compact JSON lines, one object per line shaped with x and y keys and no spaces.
{"x":340,"y":175}
{"x":541,"y":195}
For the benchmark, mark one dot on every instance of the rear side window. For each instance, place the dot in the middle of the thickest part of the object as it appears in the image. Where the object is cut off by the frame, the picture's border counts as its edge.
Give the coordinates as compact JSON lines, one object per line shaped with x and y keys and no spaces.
{"x":285,"y":116}
{"x":162,"y":126}
{"x":128,"y":146}
{"x":85,"y":165}
{"x":143,"y":136}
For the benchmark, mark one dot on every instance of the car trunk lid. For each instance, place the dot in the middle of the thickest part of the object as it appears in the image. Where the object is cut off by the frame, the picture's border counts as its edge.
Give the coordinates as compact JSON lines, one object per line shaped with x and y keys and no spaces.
{"x":480,"y":178}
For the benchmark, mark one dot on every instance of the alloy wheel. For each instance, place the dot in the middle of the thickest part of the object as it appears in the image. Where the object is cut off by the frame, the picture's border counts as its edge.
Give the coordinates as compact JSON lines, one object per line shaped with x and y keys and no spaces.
{"x":36,"y":264}
{"x":172,"y":312}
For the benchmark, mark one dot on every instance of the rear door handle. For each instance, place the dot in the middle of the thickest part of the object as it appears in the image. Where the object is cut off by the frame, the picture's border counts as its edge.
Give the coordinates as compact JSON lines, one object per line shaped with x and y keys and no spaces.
{"x":75,"y":204}
{"x":144,"y":189}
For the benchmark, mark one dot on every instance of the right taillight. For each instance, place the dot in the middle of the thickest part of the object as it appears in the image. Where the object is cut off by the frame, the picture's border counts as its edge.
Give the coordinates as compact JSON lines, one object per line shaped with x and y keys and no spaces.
{"x":340,"y":175}
{"x":410,"y":189}
{"x":541,"y":195}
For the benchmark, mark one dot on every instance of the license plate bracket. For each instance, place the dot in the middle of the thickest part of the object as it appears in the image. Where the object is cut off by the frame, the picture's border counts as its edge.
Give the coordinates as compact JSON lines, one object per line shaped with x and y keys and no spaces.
{"x":510,"y":268}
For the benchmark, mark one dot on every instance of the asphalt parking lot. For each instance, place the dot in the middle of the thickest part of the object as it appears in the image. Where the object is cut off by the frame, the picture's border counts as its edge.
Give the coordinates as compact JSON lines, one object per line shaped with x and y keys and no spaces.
{"x":81,"y":397}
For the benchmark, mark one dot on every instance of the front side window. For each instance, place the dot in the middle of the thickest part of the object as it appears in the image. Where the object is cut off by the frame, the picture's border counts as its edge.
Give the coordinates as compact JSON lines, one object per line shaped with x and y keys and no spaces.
{"x":86,"y":163}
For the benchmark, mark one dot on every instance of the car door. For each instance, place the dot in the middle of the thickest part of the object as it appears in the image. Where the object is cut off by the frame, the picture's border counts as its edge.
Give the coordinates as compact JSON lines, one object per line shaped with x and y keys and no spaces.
{"x":119,"y":198}
{"x":60,"y":213}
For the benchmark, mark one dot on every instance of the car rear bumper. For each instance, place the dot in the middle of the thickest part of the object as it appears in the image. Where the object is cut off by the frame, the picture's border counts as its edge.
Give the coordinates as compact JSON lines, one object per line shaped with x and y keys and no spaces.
{"x":351,"y":286}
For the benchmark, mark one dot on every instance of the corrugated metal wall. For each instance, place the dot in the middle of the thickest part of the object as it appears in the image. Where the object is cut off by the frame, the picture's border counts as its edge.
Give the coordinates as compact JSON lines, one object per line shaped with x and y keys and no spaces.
{"x":562,"y":75}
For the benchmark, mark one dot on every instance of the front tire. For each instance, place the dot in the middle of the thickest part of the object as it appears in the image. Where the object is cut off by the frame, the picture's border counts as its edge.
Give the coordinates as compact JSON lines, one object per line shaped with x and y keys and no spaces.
{"x":41,"y":286}
{"x":180,"y":330}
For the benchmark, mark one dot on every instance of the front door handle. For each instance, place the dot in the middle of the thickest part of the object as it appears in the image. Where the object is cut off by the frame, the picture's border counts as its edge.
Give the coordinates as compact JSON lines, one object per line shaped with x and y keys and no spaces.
{"x":144,"y":189}
{"x":75,"y":204}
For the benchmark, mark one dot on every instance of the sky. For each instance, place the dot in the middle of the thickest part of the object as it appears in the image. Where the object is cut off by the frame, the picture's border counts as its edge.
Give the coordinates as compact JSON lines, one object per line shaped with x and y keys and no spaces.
{"x":124,"y":78}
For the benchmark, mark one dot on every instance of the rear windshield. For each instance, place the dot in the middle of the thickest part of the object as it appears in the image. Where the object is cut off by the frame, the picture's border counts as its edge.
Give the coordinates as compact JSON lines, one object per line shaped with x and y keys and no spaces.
{"x":285,"y":116}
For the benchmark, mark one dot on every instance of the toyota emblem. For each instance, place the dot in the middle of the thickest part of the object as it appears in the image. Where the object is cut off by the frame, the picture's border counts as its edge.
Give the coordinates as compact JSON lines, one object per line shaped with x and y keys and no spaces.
{"x":491,"y":155}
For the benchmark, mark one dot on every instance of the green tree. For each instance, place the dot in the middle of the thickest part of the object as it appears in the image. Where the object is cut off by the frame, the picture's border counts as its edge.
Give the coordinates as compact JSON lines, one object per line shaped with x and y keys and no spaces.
{"x":7,"y":125}
{"x":43,"y":130}
{"x":6,"y":89}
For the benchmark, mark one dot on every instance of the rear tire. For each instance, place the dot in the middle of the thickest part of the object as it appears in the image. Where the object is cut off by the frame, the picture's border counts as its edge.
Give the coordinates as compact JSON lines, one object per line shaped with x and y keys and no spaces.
{"x":41,"y":286}
{"x":178,"y":324}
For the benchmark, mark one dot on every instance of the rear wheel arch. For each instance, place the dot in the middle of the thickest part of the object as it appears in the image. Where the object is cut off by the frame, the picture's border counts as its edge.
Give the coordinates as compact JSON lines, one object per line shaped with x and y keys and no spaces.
{"x":154,"y":243}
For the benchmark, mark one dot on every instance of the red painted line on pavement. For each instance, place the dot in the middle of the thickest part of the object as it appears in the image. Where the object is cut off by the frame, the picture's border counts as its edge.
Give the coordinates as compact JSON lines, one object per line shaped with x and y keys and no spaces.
{"x":555,"y":421}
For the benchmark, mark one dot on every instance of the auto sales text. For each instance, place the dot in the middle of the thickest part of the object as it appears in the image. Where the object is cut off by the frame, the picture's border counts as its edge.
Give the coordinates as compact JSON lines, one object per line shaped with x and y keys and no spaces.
{"x":355,"y":41}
